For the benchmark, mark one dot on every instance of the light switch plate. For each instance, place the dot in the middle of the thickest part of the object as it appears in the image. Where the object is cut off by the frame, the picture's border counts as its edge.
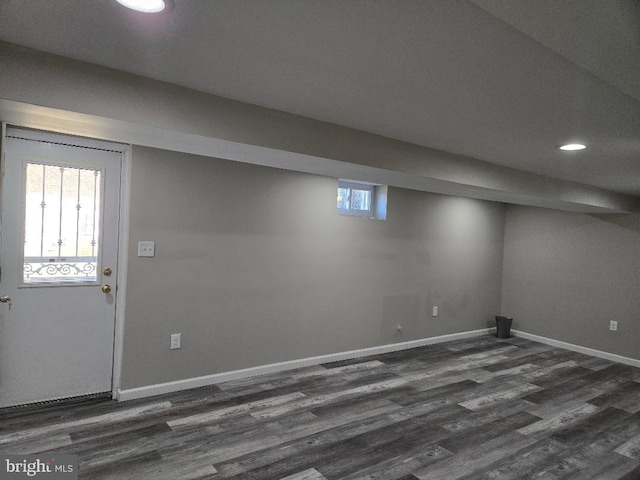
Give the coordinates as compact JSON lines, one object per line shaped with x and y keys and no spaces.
{"x":146,"y":249}
{"x":175,"y":341}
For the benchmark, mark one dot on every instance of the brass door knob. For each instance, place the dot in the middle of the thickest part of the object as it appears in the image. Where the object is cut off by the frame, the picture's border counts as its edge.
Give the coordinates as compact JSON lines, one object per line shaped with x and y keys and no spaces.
{"x":107,"y":271}
{"x":7,"y":300}
{"x":106,"y":288}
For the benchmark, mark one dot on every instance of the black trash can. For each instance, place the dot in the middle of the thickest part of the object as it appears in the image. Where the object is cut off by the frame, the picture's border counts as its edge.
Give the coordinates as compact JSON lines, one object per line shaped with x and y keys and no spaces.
{"x":503,"y":326}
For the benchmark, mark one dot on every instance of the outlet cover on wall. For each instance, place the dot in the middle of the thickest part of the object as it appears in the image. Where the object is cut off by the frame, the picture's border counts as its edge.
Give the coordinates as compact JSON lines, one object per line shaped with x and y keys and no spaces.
{"x":434,"y":312}
{"x":146,"y":249}
{"x":175,"y":341}
{"x":613,"y":325}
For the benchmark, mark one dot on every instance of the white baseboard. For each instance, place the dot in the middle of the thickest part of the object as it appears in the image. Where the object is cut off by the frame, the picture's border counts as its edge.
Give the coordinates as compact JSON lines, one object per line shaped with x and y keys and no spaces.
{"x":158,"y":389}
{"x":577,"y":348}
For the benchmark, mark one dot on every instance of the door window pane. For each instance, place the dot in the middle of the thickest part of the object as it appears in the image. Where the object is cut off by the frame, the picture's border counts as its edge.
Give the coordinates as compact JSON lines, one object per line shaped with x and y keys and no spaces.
{"x":61,"y":227}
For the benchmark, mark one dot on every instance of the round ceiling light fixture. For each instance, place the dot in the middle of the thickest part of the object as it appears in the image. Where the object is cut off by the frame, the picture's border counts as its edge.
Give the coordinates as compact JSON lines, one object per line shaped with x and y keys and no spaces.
{"x":571,"y":147}
{"x":146,"y":6}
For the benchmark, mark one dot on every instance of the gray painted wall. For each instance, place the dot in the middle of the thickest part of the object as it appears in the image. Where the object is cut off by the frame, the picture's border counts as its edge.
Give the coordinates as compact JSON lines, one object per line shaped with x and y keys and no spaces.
{"x":254,"y":266}
{"x":265,"y":277}
{"x":567,"y":275}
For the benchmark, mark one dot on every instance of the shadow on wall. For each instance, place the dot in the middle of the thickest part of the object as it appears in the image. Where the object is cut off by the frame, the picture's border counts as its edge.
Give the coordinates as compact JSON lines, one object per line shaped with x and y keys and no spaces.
{"x":627,"y":221}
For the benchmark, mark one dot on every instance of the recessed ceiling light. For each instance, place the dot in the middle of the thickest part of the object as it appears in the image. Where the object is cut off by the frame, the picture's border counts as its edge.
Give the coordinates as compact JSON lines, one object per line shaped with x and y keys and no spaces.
{"x":145,"y":6}
{"x":573,"y":146}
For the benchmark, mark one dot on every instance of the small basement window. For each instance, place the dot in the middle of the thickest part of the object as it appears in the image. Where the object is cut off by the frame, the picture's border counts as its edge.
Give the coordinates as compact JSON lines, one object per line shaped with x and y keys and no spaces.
{"x":362,"y":199}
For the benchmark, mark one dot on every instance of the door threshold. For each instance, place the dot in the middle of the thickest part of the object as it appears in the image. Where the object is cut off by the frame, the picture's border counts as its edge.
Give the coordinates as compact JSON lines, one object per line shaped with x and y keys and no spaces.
{"x":56,"y":403}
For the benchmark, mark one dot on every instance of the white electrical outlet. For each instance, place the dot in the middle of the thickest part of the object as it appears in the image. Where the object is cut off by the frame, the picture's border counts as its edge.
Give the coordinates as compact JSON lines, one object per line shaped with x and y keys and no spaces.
{"x":146,"y":249}
{"x":175,"y":341}
{"x":613,"y":326}
{"x":434,"y":312}
{"x":399,"y":328}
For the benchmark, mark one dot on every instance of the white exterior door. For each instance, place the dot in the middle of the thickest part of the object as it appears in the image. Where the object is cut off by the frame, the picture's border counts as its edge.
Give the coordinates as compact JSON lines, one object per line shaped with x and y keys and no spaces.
{"x":60,"y":208}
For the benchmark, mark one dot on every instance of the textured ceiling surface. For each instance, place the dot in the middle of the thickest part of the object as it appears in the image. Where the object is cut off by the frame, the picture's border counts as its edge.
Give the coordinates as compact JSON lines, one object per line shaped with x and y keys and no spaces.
{"x":504,"y":81}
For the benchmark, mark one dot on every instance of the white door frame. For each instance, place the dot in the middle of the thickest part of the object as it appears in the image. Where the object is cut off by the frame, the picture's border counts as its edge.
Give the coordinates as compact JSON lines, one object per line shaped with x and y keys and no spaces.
{"x":123,"y":241}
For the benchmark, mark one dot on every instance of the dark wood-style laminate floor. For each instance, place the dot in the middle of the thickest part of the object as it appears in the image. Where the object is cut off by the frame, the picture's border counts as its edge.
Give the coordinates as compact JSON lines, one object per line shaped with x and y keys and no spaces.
{"x":482,"y":408}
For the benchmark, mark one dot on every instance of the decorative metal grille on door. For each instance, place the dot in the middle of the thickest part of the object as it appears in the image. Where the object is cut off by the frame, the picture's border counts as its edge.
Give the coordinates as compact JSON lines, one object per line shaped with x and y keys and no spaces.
{"x":62,"y":219}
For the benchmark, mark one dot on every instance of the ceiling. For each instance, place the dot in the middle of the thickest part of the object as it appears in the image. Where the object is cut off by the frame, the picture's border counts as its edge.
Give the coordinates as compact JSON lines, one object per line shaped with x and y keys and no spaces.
{"x":504,"y":81}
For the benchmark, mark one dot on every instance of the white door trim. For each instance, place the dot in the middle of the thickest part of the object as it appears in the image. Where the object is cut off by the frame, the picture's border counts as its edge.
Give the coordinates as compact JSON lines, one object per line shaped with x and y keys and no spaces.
{"x":123,"y":266}
{"x":123,"y":234}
